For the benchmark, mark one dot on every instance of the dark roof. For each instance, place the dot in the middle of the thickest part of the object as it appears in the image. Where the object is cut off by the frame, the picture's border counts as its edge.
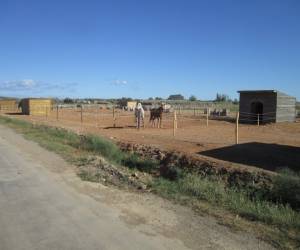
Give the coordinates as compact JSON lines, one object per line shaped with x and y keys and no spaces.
{"x":258,"y":91}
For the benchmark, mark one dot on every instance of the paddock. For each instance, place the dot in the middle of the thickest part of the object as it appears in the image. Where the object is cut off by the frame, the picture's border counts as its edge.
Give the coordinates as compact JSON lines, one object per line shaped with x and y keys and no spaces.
{"x":196,"y":130}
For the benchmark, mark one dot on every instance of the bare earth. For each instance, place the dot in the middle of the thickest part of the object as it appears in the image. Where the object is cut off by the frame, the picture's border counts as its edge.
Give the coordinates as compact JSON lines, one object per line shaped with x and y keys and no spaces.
{"x":44,"y":205}
{"x":266,"y":147}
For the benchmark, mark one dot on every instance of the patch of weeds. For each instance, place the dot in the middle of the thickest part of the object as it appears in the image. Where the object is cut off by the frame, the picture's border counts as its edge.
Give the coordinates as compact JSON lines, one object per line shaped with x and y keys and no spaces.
{"x":237,"y":201}
{"x":83,"y":160}
{"x":286,"y":188}
{"x":171,"y":173}
{"x":102,"y":146}
{"x":133,"y":161}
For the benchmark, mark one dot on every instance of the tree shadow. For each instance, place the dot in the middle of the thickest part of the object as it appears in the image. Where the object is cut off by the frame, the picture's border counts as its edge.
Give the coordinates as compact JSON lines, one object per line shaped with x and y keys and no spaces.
{"x":261,"y":155}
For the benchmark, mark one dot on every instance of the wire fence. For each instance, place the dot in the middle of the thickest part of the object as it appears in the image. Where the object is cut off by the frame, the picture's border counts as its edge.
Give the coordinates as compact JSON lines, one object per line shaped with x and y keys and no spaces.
{"x":94,"y":113}
{"x":99,"y":117}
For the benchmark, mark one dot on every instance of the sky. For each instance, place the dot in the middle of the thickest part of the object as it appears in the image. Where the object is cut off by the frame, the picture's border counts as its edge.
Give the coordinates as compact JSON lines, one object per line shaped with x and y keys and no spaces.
{"x":149,"y":48}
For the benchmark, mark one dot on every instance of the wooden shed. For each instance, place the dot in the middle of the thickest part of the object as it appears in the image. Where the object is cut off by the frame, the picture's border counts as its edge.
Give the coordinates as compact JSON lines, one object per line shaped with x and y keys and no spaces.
{"x":36,"y":106}
{"x":268,"y":105}
{"x":8,"y":104}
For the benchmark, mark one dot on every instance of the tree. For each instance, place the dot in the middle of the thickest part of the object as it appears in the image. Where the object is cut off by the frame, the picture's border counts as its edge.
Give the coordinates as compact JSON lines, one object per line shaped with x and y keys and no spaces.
{"x":176,"y":97}
{"x":150,"y":98}
{"x":123,"y":101}
{"x":222,"y":98}
{"x":68,"y":100}
{"x":193,"y":98}
{"x":158,"y":98}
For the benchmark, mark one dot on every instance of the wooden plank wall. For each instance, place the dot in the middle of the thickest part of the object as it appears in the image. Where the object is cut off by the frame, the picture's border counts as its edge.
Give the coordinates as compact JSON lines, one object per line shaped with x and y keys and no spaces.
{"x":286,"y":108}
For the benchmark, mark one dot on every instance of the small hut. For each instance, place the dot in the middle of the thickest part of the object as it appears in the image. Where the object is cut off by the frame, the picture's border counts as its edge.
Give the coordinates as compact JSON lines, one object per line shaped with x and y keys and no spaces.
{"x":267,"y":106}
{"x":36,"y":106}
{"x":8,"y":104}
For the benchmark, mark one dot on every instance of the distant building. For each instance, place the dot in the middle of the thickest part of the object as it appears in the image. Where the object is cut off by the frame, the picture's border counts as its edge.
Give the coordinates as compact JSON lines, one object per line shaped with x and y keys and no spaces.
{"x":8,"y":104}
{"x":269,"y":105}
{"x":36,"y":106}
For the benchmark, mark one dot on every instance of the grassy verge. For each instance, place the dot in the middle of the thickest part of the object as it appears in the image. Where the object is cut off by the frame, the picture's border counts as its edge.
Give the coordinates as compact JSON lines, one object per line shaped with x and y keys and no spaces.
{"x":236,"y":201}
{"x":282,"y":221}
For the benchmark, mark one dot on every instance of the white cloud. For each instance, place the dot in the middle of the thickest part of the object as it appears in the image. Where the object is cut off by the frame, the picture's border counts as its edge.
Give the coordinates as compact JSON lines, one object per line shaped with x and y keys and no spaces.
{"x":119,"y":82}
{"x":34,"y":85}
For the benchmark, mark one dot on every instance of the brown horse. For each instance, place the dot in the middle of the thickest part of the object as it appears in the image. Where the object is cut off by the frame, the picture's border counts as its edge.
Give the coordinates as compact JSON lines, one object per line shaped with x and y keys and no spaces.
{"x":156,"y":114}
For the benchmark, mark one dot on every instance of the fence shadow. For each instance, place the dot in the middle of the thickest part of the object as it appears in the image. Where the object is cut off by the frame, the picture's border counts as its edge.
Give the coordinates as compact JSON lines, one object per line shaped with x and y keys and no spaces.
{"x":261,"y":155}
{"x":112,"y":127}
{"x":14,"y":113}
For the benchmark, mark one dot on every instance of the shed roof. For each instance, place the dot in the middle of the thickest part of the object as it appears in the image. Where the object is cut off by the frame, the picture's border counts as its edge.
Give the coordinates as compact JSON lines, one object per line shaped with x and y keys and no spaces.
{"x":264,"y":91}
{"x":258,"y":91}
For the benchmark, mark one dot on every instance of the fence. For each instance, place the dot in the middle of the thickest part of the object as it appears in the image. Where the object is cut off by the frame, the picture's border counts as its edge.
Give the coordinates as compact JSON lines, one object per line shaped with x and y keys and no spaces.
{"x":98,"y":117}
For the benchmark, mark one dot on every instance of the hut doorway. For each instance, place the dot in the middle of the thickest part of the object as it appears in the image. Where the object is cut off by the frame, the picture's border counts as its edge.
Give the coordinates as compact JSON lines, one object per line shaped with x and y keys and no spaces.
{"x":257,"y":108}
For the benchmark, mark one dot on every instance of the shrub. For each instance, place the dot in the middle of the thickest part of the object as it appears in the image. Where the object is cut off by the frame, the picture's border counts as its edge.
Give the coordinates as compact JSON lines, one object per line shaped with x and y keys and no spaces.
{"x":287,"y":188}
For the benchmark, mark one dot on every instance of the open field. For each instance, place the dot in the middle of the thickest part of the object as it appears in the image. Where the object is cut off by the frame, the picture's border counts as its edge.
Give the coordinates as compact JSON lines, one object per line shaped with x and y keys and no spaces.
{"x":266,"y":146}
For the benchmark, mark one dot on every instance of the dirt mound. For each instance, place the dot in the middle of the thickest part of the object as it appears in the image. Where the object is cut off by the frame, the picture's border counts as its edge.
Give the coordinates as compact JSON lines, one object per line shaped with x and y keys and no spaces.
{"x":252,"y":178}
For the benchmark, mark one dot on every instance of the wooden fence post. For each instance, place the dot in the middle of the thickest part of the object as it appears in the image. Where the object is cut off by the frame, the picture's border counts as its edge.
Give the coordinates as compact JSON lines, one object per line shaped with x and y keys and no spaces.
{"x":114,"y":117}
{"x":138,"y":119}
{"x":174,"y":123}
{"x":207,"y":115}
{"x":258,"y":120}
{"x":237,"y":128}
{"x":97,"y":117}
{"x":194,"y":111}
{"x":57,"y":112}
{"x":46,"y":113}
{"x":81,"y":115}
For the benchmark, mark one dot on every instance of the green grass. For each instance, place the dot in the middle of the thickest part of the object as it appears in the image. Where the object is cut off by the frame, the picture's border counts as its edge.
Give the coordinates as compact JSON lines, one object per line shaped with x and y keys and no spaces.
{"x":102,"y":146}
{"x":180,"y":186}
{"x":234,"y":200}
{"x":287,"y":188}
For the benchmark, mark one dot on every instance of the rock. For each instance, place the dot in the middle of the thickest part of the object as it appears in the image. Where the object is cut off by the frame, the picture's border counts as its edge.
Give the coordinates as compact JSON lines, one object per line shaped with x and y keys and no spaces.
{"x":135,"y":175}
{"x":142,"y":187}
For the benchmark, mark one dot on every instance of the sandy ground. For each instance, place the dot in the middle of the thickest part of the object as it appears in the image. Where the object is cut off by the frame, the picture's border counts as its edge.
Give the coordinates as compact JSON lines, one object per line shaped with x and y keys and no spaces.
{"x":268,"y":146}
{"x":44,"y":205}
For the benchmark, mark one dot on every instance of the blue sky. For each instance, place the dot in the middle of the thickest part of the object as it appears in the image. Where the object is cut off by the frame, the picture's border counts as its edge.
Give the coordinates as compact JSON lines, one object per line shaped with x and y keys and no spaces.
{"x":148,"y":48}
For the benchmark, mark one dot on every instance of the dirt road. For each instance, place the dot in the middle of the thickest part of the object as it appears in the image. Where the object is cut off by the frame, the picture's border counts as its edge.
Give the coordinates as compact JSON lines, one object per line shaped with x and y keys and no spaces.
{"x":44,"y":205}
